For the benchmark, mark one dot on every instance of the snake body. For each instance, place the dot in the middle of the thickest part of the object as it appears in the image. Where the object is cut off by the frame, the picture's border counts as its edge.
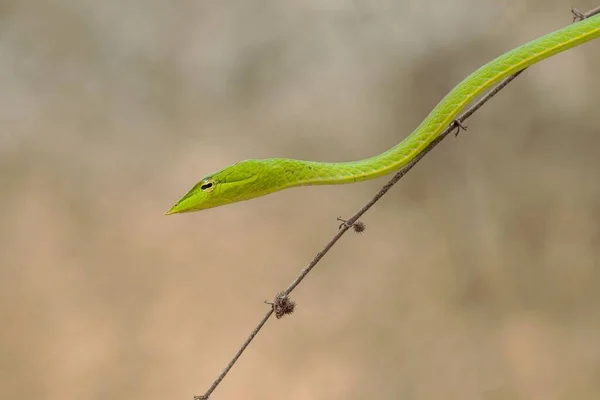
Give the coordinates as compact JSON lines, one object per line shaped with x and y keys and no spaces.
{"x":253,"y":178}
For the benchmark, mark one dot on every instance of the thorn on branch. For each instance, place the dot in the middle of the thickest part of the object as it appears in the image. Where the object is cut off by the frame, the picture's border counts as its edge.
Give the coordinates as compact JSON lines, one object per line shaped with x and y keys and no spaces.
{"x":282,"y":305}
{"x":456,"y":124}
{"x":358,"y":226}
{"x":577,"y":15}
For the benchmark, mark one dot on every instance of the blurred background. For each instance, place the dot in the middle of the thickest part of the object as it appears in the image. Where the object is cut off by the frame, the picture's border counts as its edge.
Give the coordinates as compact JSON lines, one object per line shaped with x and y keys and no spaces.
{"x":478,"y":276}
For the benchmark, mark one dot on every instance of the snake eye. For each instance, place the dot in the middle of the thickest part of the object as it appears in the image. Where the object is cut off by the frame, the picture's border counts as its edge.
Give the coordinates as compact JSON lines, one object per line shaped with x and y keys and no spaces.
{"x":207,"y":185}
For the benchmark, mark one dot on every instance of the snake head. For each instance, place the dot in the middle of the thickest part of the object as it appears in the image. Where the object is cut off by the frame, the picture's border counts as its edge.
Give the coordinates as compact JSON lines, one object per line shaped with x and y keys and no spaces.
{"x":241,"y":181}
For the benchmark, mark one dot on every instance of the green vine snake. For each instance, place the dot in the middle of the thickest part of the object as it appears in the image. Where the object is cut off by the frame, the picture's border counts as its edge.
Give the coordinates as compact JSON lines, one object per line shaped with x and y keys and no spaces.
{"x":253,"y":178}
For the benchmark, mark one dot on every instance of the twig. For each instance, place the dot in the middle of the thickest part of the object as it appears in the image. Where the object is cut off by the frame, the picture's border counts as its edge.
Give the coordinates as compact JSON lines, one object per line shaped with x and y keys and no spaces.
{"x":578,"y":15}
{"x":282,"y":301}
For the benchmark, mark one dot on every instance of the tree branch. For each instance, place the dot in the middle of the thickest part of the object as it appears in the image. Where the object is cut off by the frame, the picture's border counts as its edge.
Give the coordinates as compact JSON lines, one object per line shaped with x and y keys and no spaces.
{"x":282,"y":305}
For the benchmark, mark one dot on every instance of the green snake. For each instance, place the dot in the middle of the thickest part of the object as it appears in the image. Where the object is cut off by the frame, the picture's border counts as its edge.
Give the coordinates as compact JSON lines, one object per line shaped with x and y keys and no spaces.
{"x":253,"y":178}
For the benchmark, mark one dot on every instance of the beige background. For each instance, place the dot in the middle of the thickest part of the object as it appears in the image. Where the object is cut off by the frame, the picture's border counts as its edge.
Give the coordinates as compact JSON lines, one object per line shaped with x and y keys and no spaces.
{"x":478,"y":276}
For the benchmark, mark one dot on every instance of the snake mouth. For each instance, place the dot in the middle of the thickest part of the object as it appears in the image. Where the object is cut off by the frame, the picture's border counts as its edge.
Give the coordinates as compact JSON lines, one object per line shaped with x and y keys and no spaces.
{"x":190,"y":201}
{"x":178,"y":208}
{"x":197,"y":198}
{"x":173,"y":210}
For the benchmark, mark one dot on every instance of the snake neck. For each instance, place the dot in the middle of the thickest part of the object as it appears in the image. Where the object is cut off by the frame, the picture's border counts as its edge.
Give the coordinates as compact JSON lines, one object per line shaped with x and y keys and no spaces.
{"x":287,"y":173}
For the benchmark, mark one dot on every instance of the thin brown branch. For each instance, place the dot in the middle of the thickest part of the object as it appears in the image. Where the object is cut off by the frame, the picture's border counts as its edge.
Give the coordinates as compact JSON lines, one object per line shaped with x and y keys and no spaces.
{"x":454,"y":127}
{"x":578,"y":15}
{"x":225,"y":371}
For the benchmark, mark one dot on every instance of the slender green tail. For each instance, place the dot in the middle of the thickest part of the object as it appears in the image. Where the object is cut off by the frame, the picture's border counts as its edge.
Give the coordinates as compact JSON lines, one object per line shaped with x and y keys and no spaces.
{"x":253,"y":178}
